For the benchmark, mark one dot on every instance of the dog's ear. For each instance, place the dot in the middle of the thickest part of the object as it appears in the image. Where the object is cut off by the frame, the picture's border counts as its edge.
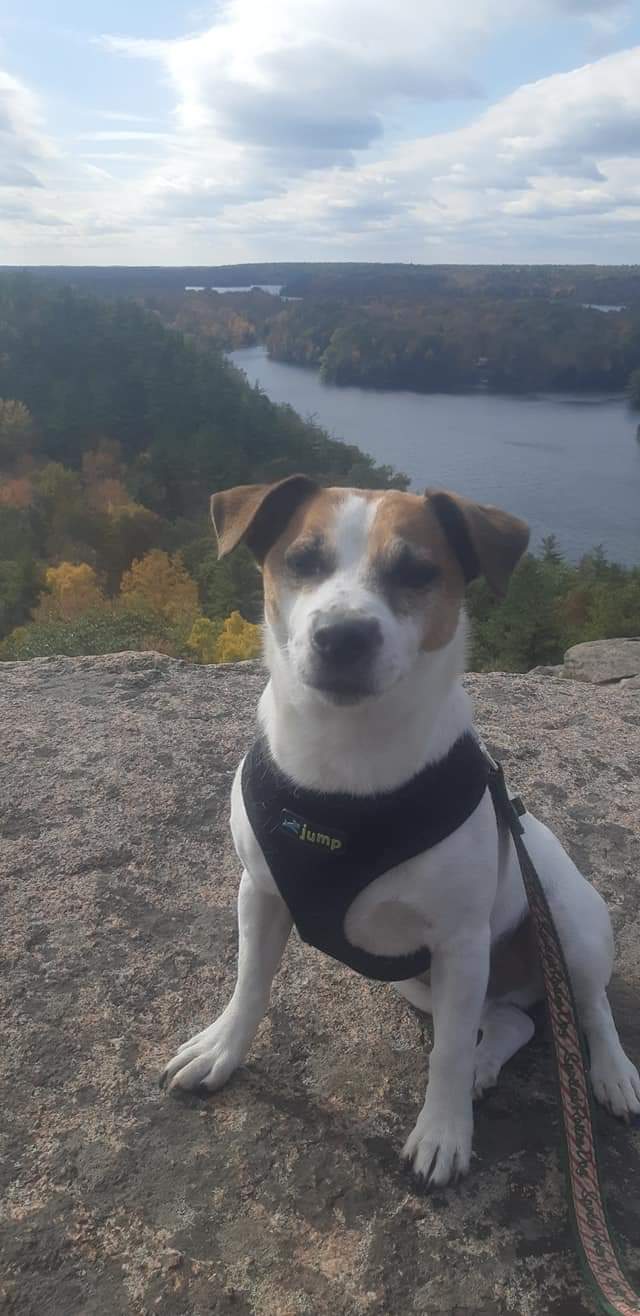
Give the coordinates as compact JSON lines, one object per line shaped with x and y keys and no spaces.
{"x":257,"y":513}
{"x":486,"y":541}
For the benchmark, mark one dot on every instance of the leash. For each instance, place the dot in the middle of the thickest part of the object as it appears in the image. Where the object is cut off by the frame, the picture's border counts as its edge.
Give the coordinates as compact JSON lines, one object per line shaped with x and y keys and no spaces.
{"x":597,"y":1249}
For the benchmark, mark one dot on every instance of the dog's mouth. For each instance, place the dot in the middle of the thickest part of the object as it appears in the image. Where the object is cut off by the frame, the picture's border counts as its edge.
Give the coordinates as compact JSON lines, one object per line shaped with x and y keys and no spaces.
{"x":341,"y":690}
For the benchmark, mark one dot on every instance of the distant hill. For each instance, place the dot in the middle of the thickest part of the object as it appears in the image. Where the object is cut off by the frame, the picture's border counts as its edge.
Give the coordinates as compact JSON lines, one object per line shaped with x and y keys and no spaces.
{"x":602,"y":284}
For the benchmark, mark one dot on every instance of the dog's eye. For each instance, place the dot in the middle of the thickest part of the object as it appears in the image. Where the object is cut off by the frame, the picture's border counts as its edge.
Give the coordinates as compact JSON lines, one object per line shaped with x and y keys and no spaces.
{"x":409,"y":571}
{"x":307,"y":561}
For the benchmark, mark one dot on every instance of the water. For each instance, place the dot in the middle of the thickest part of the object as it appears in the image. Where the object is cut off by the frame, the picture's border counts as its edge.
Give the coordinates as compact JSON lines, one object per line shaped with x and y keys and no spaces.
{"x":273,"y":288}
{"x":570,"y":465}
{"x":596,"y":306}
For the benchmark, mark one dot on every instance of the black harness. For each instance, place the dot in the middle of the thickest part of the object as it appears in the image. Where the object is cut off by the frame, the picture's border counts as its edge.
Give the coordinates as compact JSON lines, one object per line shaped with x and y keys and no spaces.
{"x":324,"y":849}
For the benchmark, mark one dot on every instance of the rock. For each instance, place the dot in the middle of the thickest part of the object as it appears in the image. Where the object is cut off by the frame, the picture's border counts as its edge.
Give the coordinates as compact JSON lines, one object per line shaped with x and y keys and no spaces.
{"x":553,"y":669}
{"x":284,"y":1193}
{"x":603,"y":661}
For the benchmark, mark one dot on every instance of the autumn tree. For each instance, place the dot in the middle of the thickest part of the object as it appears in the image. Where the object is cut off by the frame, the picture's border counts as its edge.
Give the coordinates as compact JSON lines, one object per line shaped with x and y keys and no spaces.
{"x":71,"y":591}
{"x":239,"y":639}
{"x":16,"y":492}
{"x":161,"y":584}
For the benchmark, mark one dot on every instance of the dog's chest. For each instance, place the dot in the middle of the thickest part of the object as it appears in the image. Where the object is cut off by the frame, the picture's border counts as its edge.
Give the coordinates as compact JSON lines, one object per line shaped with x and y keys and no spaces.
{"x":373,"y":881}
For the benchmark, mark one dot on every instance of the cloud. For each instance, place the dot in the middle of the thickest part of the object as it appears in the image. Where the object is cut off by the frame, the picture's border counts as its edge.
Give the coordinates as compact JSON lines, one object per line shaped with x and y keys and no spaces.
{"x":120,"y":116}
{"x":15,"y":209}
{"x":122,"y":136}
{"x":293,"y":132}
{"x":564,"y":150}
{"x":302,"y":85}
{"x":23,"y":147}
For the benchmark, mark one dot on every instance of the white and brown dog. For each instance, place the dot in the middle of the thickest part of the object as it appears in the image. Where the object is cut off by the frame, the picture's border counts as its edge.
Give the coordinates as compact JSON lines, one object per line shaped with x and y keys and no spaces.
{"x":365,"y":642}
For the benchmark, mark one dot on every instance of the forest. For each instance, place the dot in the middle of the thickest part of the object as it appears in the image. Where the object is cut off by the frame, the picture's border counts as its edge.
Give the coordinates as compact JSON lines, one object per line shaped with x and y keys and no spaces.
{"x":617,"y":285}
{"x":114,"y":430}
{"x":457,"y":345}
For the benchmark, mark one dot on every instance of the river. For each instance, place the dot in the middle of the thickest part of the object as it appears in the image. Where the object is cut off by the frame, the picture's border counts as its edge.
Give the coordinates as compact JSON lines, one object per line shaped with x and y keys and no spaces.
{"x":570,"y":465}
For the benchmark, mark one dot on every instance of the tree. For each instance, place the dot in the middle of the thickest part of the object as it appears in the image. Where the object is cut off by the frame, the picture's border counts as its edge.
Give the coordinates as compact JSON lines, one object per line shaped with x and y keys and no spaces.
{"x":72,"y":590}
{"x":131,"y":531}
{"x":550,"y":551}
{"x":16,"y":430}
{"x":233,"y":584}
{"x":19,"y":584}
{"x":16,"y":492}
{"x":161,"y":584}
{"x":109,"y":630}
{"x":239,"y":639}
{"x":526,"y":628}
{"x":634,"y":388}
{"x":203,"y":640}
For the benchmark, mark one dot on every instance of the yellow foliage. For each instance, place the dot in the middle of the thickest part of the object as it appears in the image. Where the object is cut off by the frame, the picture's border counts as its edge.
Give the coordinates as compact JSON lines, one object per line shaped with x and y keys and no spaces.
{"x":238,"y":640}
{"x":72,"y":590}
{"x":162,"y":584}
{"x":203,"y":640}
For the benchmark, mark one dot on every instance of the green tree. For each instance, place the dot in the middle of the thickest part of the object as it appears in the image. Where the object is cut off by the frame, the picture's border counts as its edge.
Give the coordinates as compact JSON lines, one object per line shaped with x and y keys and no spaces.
{"x":16,"y":431}
{"x":109,"y":630}
{"x":203,"y":639}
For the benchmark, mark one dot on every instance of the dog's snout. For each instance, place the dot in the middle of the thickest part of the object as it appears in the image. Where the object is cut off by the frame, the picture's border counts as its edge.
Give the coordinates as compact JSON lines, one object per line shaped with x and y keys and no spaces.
{"x":349,"y":640}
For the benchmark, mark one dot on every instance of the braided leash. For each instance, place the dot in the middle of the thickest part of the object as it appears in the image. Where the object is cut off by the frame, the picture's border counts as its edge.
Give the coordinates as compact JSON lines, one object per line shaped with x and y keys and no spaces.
{"x":596,"y":1247}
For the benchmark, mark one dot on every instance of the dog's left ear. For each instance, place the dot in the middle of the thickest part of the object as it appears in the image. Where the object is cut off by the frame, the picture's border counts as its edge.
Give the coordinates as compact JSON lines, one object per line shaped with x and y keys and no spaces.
{"x":486,"y":541}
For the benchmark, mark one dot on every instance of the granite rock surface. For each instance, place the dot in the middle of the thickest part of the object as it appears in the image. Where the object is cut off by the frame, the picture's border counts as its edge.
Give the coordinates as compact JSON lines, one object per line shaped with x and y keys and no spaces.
{"x":283,"y":1195}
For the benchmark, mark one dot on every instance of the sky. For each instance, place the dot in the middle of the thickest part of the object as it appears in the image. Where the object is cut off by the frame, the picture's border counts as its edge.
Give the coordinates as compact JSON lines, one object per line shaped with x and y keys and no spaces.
{"x":502,"y":131}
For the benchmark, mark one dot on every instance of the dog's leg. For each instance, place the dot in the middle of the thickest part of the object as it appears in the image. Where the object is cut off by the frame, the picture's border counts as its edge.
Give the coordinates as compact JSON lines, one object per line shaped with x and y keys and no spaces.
{"x":440,"y":1145}
{"x":584,"y":927}
{"x":615,"y":1079}
{"x":417,"y":992}
{"x":505,"y":1029}
{"x":209,"y":1058}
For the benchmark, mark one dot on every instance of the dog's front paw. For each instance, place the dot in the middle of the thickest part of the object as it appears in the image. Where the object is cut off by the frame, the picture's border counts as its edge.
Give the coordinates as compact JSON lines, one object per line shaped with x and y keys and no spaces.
{"x":439,"y":1148}
{"x":616,"y":1085}
{"x":208,"y":1059}
{"x":486,"y":1070}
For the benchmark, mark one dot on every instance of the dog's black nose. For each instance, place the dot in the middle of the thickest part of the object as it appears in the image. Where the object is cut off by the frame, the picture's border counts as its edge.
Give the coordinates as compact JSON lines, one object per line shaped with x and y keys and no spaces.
{"x":347,"y":641}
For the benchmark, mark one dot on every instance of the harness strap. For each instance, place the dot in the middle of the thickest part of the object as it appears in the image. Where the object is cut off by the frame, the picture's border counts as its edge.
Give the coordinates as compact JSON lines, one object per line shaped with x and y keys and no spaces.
{"x":597,"y":1248}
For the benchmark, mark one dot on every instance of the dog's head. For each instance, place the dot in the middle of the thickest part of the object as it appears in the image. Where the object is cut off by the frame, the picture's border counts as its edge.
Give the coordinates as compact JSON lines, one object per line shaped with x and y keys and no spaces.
{"x":359,"y":583}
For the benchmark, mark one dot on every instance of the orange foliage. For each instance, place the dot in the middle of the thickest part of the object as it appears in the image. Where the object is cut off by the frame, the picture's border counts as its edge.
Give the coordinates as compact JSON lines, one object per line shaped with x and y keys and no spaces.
{"x":107,"y":495}
{"x":16,"y":493}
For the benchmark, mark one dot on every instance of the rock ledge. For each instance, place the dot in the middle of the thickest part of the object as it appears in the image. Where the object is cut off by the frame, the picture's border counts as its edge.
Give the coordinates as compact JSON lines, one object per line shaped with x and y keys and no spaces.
{"x":284,"y":1194}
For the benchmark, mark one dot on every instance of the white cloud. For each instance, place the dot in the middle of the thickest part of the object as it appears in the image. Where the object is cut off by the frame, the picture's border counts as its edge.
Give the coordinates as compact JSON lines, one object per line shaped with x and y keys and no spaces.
{"x":133,"y":135}
{"x":278,"y":141}
{"x":23,"y":146}
{"x":566,"y":146}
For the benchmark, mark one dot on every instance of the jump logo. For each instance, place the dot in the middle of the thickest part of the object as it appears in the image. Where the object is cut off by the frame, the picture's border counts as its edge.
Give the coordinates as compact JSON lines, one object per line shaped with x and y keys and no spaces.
{"x":300,"y":830}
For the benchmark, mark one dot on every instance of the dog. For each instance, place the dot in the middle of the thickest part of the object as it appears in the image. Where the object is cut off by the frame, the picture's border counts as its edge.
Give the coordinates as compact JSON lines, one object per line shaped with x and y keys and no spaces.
{"x":365,"y":639}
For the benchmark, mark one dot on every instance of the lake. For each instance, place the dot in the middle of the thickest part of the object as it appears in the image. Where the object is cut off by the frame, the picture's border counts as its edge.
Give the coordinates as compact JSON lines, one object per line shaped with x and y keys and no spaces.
{"x":570,"y":465}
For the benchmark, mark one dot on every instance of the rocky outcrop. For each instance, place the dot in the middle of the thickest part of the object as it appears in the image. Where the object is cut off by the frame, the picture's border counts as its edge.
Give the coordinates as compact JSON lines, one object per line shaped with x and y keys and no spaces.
{"x":604,"y":661}
{"x":283,"y":1195}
